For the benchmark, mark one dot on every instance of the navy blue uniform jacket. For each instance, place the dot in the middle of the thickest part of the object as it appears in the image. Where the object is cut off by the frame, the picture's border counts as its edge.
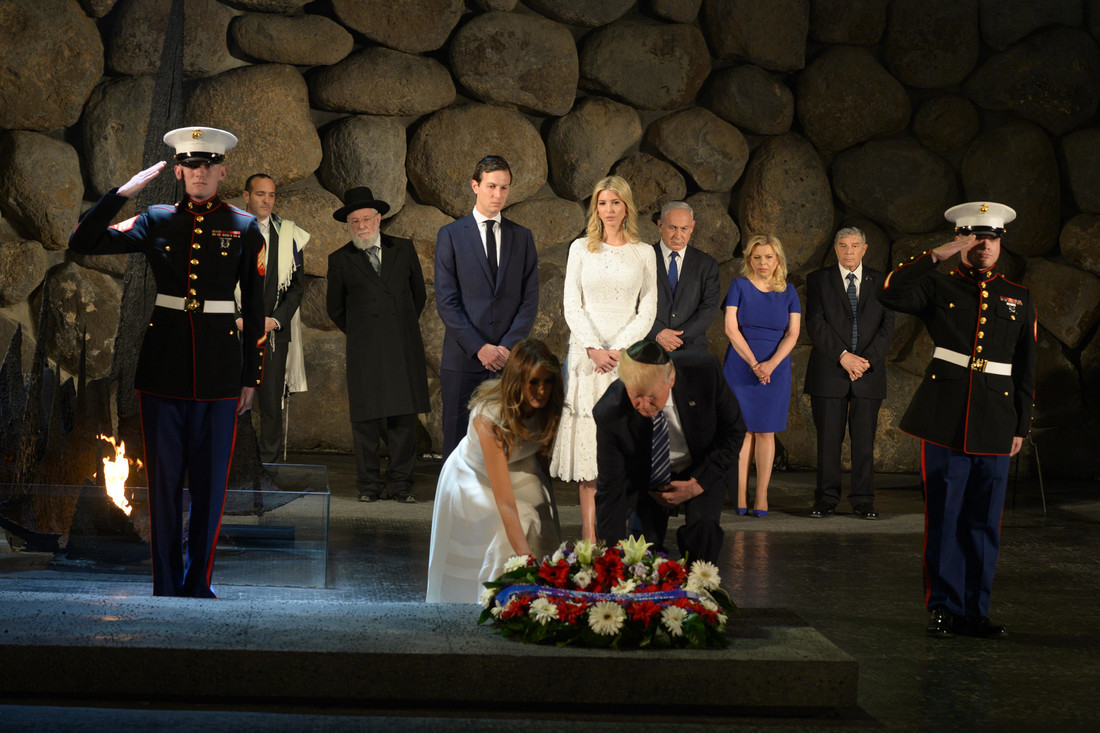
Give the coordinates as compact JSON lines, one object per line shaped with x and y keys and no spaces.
{"x":200,"y":251}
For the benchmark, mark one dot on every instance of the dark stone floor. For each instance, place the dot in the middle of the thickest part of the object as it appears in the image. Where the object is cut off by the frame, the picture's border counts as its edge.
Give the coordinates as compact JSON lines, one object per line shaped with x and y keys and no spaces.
{"x":857,"y":582}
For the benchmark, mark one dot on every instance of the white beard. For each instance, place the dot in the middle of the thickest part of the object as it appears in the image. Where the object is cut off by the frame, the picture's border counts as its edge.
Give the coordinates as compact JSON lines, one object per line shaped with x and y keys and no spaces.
{"x":365,"y":244}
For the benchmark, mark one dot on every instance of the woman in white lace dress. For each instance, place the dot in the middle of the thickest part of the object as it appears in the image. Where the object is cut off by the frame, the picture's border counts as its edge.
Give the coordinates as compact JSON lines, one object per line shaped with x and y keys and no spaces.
{"x":492,"y":500}
{"x":610,"y":302}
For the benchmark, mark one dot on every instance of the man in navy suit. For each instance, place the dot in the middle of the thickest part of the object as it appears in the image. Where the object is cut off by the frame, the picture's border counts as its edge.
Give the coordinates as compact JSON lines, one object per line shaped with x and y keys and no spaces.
{"x":486,"y":290}
{"x":846,"y":376}
{"x":668,"y":434}
{"x":688,"y":291}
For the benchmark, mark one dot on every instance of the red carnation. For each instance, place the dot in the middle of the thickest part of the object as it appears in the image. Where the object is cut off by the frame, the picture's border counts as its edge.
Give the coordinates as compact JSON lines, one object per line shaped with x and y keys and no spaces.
{"x":672,"y":575}
{"x":609,"y":570}
{"x":516,"y":607}
{"x":643,"y":611}
{"x":570,"y":612}
{"x":556,"y":575}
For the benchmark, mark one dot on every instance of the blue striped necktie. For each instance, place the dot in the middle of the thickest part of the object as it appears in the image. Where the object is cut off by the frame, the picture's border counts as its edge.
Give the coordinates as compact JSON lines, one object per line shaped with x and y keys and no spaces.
{"x":853,"y":299}
{"x":661,"y":465}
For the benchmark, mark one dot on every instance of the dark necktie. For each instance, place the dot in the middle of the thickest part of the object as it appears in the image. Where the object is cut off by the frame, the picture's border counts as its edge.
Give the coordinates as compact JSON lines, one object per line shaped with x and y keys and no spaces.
{"x":491,"y":248}
{"x":853,"y":299}
{"x":673,"y":272}
{"x":375,"y":255}
{"x":271,"y":271}
{"x":660,"y":464}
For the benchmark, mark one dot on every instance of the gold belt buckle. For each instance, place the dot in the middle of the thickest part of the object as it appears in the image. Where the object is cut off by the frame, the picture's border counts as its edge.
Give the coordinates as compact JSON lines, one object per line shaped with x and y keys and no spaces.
{"x":978,"y":365}
{"x":192,"y":304}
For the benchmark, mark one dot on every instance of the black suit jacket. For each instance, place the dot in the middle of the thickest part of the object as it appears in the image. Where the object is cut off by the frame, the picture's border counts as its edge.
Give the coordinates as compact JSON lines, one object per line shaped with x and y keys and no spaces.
{"x":712,"y":425}
{"x":829,"y":321}
{"x":380,"y":313}
{"x":697,"y":300}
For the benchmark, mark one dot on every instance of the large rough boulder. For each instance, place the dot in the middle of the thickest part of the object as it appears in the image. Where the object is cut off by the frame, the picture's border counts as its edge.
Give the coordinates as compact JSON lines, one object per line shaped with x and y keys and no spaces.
{"x":1080,"y":242}
{"x":932,"y":43}
{"x":709,"y":149}
{"x":552,"y":221}
{"x":282,"y":141}
{"x":1058,"y":393}
{"x":311,"y":209}
{"x":1015,"y":165}
{"x":645,"y":64}
{"x":381,"y":81}
{"x":517,"y":60}
{"x":318,"y":417}
{"x":581,"y":12}
{"x":52,"y":58}
{"x":97,"y":8}
{"x":897,"y":183}
{"x":137,"y":37}
{"x":301,"y":40}
{"x":1052,"y":78}
{"x":80,"y":300}
{"x":786,"y":192}
{"x":22,"y":266}
{"x":946,"y":123}
{"x":550,"y":326}
{"x":313,"y":308}
{"x":40,"y":186}
{"x":677,"y":11}
{"x":715,"y":232}
{"x":584,"y":144}
{"x":1006,"y":21}
{"x":1068,"y":300}
{"x":115,"y":123}
{"x":750,"y":98}
{"x":446,"y":147}
{"x":849,"y":22}
{"x":271,"y":6}
{"x":365,"y":151}
{"x":421,"y":224}
{"x":413,"y":26}
{"x":1082,"y":157}
{"x":652,"y":181}
{"x":771,"y":35}
{"x":845,"y":97}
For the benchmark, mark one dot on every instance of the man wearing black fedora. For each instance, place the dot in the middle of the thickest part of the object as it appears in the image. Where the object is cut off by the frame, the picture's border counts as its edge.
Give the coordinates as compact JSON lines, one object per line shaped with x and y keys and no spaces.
{"x":375,"y":296}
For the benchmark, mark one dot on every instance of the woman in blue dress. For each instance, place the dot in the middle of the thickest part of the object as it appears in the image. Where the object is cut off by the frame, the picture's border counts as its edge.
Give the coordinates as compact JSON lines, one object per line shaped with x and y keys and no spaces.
{"x":762,"y":321}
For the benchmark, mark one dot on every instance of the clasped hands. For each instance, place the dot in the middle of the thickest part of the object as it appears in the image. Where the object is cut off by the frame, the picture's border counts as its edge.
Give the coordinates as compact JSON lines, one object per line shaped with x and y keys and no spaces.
{"x":763,"y":371}
{"x":493,"y":357}
{"x":677,"y":492}
{"x":854,"y":365}
{"x":605,"y":360}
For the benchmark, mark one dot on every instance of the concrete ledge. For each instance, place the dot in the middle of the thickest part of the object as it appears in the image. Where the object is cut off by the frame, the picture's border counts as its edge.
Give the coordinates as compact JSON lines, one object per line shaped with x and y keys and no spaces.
{"x":86,"y":647}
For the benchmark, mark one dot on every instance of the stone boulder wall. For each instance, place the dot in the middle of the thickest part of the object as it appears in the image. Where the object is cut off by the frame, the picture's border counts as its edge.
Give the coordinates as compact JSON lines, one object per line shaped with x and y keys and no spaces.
{"x":135,"y":44}
{"x":715,"y":232}
{"x":412,"y":26}
{"x":647,"y":65}
{"x":115,"y":122}
{"x":1058,"y":393}
{"x":282,"y":141}
{"x":444,"y":150}
{"x":318,"y":417}
{"x":770,"y":35}
{"x":381,"y":81}
{"x":40,"y":186}
{"x":552,"y":221}
{"x":749,"y":98}
{"x":22,"y":266}
{"x":311,"y":209}
{"x":1014,"y":163}
{"x":1006,"y":21}
{"x":582,"y":12}
{"x":678,"y":11}
{"x":421,"y":224}
{"x":652,"y":181}
{"x":1080,"y":242}
{"x":931,"y":44}
{"x":584,"y":144}
{"x":849,"y":22}
{"x":946,"y":123}
{"x":898,"y":183}
{"x":303,"y":40}
{"x":1067,"y":299}
{"x":81,"y":301}
{"x":712,"y":151}
{"x":313,"y":308}
{"x":517,"y":61}
{"x":845,"y":97}
{"x":1081,"y":151}
{"x":52,"y":58}
{"x":365,"y":151}
{"x":786,"y":192}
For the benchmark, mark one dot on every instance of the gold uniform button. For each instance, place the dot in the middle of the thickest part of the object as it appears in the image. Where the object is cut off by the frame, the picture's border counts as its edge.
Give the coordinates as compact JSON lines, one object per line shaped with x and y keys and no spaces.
{"x":981,"y":320}
{"x":192,"y":291}
{"x":1013,"y":317}
{"x":167,"y":248}
{"x":979,"y":349}
{"x":985,"y":293}
{"x":224,"y":253}
{"x":198,"y":231}
{"x":1006,"y":394}
{"x":194,"y":262}
{"x":950,"y":305}
{"x":196,"y":245}
{"x":933,"y":376}
{"x":150,"y":324}
{"x":981,"y":334}
{"x":198,"y":218}
{"x":985,"y":306}
{"x":193,"y":276}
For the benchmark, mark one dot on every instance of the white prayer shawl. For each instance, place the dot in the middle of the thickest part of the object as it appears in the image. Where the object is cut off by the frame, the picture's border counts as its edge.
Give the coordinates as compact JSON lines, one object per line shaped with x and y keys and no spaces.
{"x":292,"y":240}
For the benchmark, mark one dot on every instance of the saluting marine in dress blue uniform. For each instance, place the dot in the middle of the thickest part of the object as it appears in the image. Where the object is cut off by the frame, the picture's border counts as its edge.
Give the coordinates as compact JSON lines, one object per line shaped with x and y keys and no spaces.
{"x":972,"y":410}
{"x":195,"y":371}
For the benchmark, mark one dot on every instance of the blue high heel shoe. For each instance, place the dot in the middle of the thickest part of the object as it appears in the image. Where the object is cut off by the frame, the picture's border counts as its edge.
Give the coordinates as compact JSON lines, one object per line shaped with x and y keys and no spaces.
{"x":760,"y":513}
{"x":742,"y":511}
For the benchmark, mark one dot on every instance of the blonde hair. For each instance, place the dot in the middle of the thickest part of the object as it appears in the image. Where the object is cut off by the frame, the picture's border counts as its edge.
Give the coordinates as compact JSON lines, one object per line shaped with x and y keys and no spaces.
{"x":637,"y":375}
{"x":508,"y":393}
{"x":621,"y":188}
{"x":778,"y":282}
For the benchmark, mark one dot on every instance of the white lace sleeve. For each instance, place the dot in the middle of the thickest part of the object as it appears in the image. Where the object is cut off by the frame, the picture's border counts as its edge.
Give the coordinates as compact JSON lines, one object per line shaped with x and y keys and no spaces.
{"x":583,"y":330}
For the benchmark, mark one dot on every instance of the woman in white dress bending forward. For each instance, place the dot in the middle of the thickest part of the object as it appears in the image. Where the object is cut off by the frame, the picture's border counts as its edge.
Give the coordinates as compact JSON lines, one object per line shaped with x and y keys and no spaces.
{"x":610,"y":302}
{"x":492,"y":501}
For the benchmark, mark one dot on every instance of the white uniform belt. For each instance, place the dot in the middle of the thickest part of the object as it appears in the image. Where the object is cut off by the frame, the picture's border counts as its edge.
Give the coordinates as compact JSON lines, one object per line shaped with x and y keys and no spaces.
{"x":978,"y":365}
{"x":194,"y":304}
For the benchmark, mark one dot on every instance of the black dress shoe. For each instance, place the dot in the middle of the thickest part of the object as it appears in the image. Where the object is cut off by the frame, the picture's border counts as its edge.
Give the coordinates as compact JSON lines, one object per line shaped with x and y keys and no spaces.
{"x":941,"y":624}
{"x":821,"y":510}
{"x":865,"y":511}
{"x":369,"y":497}
{"x":982,"y":628}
